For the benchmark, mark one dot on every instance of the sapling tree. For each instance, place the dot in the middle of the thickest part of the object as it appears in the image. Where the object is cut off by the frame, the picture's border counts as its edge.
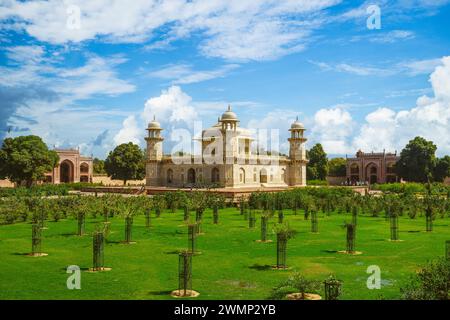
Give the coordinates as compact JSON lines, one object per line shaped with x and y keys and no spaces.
{"x":148,"y":217}
{"x":192,"y":237}
{"x":36,"y":239}
{"x":351,"y":233}
{"x":215,"y":214}
{"x":186,"y":212}
{"x":98,"y":250}
{"x":394,"y":226}
{"x":264,"y":225}
{"x":128,"y":210}
{"x":128,"y":228}
{"x":251,"y":219}
{"x":280,"y":216}
{"x":332,"y":288}
{"x":314,"y":222}
{"x":296,"y":283}
{"x":284,"y":233}
{"x":81,"y":220}
{"x":306,"y":210}
{"x":185,"y":274}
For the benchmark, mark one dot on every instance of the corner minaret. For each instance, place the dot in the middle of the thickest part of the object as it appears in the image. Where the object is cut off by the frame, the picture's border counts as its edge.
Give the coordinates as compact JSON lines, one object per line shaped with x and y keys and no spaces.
{"x":297,"y":154}
{"x":154,"y":152}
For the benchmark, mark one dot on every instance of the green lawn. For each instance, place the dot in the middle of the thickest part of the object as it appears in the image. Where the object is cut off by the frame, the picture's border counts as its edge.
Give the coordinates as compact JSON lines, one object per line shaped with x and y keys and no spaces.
{"x":232,"y":265}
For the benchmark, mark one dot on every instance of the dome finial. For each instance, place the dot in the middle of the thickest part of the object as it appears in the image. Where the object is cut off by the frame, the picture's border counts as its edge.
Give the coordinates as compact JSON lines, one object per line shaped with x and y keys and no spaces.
{"x":296,"y":119}
{"x":229,"y":108}
{"x":154,"y":118}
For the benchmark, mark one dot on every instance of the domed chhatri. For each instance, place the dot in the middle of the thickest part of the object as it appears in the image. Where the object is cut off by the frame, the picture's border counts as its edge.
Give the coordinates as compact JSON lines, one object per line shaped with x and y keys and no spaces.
{"x":229,"y":115}
{"x":155,"y":125}
{"x":297,"y":125}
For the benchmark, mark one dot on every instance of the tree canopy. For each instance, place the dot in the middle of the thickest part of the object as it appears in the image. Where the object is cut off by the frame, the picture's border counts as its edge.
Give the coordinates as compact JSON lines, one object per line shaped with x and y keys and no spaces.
{"x":442,"y":169}
{"x":317,"y":168}
{"x":337,"y":167}
{"x":417,"y":160}
{"x":26,"y":159}
{"x":126,"y":162}
{"x":99,"y":166}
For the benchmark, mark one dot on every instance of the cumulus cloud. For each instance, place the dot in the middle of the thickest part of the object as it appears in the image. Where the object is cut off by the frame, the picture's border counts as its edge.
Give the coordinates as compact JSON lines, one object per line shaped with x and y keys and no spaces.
{"x":130,"y":132}
{"x":39,"y":93}
{"x":388,"y":129}
{"x":332,"y":127}
{"x":430,"y":118}
{"x":173,"y":105}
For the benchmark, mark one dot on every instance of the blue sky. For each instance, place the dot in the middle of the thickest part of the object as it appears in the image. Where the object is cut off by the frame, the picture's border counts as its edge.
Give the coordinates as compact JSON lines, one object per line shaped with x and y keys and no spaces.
{"x":91,"y":74}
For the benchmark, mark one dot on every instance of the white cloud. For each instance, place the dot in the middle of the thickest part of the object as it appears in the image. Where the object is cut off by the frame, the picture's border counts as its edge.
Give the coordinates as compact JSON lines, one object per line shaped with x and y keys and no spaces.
{"x":332,"y":127}
{"x":130,"y":132}
{"x":392,"y":36}
{"x":420,"y":66}
{"x":173,"y":105}
{"x":359,"y":70}
{"x":387,"y":129}
{"x":50,"y":94}
{"x":235,"y":30}
{"x":430,"y":118}
{"x":184,"y":74}
{"x":412,"y":68}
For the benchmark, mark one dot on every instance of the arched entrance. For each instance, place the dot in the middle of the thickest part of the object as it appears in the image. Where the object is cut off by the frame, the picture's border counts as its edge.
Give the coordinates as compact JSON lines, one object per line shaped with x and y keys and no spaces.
{"x":354,"y":173}
{"x":191,"y":176}
{"x":215,"y":175}
{"x":169,"y":176}
{"x":241,"y":175}
{"x":263,"y":176}
{"x":372,"y":173}
{"x":66,"y":171}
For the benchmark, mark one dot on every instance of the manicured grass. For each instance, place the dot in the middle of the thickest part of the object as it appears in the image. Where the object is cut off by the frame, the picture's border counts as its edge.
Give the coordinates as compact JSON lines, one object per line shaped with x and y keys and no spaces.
{"x":232,"y":264}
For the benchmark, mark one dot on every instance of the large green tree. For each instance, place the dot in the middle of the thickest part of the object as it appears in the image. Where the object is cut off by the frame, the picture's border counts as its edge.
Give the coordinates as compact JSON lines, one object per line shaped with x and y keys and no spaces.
{"x":442,"y":169}
{"x":337,"y":167}
{"x":126,"y":162}
{"x":317,"y":168}
{"x":417,"y":160}
{"x":99,"y":166}
{"x":26,"y":159}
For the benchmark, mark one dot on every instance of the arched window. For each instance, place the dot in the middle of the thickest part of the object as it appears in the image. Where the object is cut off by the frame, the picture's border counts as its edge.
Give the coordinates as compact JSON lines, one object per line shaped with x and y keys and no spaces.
{"x":169,"y":176}
{"x":263,"y":176}
{"x":354,"y":168}
{"x":215,"y":175}
{"x":191,"y":175}
{"x":283,"y":175}
{"x":241,"y":175}
{"x":84,"y":168}
{"x":390,"y":168}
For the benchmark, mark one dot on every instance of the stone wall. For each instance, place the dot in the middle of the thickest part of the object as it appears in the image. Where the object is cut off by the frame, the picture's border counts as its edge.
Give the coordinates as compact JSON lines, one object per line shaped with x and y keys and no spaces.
{"x":107,"y":181}
{"x":6,"y":184}
{"x":336,"y":181}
